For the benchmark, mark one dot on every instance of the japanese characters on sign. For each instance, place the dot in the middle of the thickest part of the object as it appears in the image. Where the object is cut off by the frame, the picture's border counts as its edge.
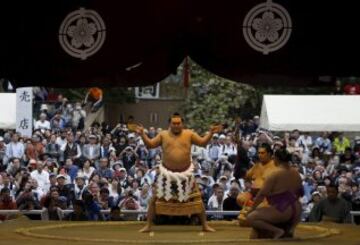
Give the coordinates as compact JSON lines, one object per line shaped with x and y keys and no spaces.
{"x":24,"y":115}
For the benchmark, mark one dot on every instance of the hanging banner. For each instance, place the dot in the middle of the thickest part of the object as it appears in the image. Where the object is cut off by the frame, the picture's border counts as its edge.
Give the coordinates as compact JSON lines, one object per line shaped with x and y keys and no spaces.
{"x":24,"y":113}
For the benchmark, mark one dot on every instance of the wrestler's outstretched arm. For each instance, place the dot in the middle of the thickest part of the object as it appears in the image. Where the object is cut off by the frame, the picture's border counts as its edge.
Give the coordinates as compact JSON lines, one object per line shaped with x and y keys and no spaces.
{"x":202,"y":141}
{"x":150,"y":143}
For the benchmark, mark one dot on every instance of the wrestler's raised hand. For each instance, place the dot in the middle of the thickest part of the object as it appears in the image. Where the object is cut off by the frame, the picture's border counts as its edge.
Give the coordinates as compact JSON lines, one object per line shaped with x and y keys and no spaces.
{"x":216,"y":128}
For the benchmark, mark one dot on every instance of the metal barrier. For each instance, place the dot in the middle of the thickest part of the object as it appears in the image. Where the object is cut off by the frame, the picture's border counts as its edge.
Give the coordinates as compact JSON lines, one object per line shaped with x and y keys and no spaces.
{"x":107,"y":211}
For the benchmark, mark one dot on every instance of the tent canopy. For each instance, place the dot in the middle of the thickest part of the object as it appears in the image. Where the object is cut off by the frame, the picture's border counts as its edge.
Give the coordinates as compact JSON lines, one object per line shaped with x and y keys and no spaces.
{"x":312,"y":113}
{"x":8,"y":110}
{"x":82,"y":43}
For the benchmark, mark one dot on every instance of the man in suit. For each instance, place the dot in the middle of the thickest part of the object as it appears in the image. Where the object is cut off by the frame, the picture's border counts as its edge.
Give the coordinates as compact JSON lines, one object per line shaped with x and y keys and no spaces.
{"x":91,"y":151}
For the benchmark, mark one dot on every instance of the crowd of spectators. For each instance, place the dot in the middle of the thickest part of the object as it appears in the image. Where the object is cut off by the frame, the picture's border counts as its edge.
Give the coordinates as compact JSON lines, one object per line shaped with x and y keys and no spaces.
{"x":66,"y":166}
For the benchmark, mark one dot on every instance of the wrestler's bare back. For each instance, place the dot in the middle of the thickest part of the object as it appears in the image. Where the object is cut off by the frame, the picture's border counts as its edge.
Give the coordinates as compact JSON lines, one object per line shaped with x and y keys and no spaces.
{"x":286,"y":181}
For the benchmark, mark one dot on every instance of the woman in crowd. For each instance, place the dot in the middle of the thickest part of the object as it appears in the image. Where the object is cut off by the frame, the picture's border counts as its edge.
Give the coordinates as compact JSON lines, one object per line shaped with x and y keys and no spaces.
{"x":87,"y":170}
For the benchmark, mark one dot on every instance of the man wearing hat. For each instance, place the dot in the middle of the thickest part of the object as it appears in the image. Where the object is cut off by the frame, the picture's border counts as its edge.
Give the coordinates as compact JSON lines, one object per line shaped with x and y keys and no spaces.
{"x":205,"y":171}
{"x":222,"y":138}
{"x":176,"y":171}
{"x":65,"y":189}
{"x":122,"y":176}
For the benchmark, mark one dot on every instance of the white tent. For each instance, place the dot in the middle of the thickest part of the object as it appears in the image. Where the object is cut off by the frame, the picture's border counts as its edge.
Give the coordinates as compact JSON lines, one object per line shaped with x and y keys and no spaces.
{"x":311,"y":113}
{"x":7,"y":110}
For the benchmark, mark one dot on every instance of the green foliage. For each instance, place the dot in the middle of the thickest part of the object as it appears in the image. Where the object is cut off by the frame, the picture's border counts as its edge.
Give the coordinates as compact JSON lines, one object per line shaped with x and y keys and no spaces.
{"x":212,"y":99}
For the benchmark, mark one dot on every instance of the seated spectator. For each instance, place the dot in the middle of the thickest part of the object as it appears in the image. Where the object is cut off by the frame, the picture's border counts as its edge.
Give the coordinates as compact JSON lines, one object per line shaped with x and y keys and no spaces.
{"x":216,"y":202}
{"x":315,"y":200}
{"x":228,"y":148}
{"x":57,"y":123}
{"x":13,"y":166}
{"x":331,"y":208}
{"x":52,"y":148}
{"x":221,"y":166}
{"x":61,"y":138}
{"x":26,"y":199}
{"x":79,"y":187}
{"x":119,"y":144}
{"x":45,"y":109}
{"x":65,"y":190}
{"x":87,"y":170}
{"x":35,"y":149}
{"x":92,"y":207}
{"x":356,"y":201}
{"x":323,"y":142}
{"x":292,"y":147}
{"x":53,"y":204}
{"x":41,"y":176}
{"x":129,"y":203}
{"x":356,"y":146}
{"x":341,"y":143}
{"x":91,"y":151}
{"x":2,"y":153}
{"x":347,"y":158}
{"x":115,"y":190}
{"x":6,"y":182}
{"x":104,"y":170}
{"x":14,"y":149}
{"x":37,"y":190}
{"x":106,"y":201}
{"x":145,"y":196}
{"x":6,"y":203}
{"x":115,"y":214}
{"x":78,"y":117}
{"x":42,"y":123}
{"x":230,"y":203}
{"x":71,"y":169}
{"x":106,"y":148}
{"x":128,"y":156}
{"x":142,"y":151}
{"x":70,"y":150}
{"x":79,"y":213}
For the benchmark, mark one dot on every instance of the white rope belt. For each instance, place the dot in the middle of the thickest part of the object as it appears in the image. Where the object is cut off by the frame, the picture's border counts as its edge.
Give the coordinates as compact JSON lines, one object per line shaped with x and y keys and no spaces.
{"x":166,"y":177}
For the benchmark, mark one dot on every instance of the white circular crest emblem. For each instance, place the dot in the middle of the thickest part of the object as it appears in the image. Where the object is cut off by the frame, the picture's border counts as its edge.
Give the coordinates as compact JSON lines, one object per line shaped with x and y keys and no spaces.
{"x":267,"y":27}
{"x":82,"y":33}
